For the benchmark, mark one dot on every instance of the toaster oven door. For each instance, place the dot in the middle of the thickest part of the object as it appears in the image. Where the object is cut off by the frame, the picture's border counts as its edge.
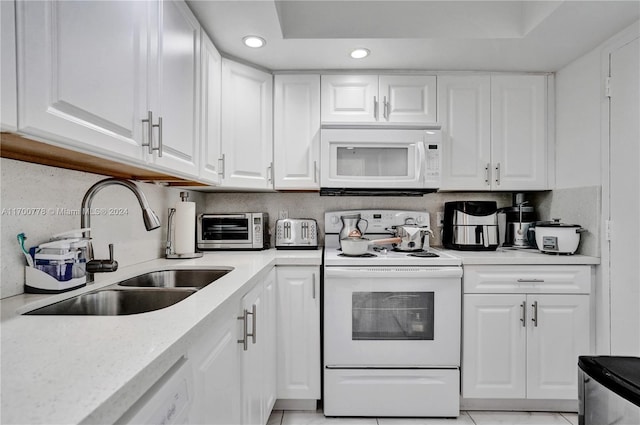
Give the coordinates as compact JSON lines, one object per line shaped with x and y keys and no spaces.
{"x":225,"y":231}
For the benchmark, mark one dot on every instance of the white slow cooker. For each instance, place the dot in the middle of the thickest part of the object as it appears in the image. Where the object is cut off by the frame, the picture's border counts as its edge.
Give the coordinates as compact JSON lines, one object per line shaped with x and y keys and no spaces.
{"x":553,"y":237}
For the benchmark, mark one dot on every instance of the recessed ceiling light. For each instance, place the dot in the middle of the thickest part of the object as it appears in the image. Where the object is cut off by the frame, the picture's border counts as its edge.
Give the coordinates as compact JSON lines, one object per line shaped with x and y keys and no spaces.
{"x":254,"y":41}
{"x":360,"y":53}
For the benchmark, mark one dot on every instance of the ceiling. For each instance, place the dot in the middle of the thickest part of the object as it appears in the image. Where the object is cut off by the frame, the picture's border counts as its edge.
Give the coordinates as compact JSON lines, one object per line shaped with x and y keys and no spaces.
{"x":415,"y":34}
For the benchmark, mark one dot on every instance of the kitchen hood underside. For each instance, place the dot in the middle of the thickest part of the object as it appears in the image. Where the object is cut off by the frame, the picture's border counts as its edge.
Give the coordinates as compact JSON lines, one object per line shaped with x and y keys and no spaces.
{"x":333,"y":191}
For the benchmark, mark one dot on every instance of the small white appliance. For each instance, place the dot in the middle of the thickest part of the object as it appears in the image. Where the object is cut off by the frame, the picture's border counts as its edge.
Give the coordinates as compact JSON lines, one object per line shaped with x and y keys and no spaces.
{"x":383,"y":157}
{"x":391,"y":324}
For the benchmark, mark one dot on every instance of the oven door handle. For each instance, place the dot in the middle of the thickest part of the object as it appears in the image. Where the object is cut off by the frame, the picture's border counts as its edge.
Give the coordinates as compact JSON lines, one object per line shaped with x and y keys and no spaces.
{"x":393,"y":272}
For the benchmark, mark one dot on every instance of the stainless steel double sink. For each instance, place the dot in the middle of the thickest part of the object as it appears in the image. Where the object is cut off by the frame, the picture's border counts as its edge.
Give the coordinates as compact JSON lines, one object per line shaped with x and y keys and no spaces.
{"x":140,"y":294}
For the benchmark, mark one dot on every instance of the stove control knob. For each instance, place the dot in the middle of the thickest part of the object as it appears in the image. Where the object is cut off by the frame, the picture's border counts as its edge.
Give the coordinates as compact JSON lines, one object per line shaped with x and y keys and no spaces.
{"x":420,"y":219}
{"x":334,"y":219}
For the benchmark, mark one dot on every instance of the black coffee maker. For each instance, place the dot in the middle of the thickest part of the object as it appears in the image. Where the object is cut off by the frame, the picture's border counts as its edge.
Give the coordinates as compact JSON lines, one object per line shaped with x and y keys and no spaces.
{"x":470,"y":225}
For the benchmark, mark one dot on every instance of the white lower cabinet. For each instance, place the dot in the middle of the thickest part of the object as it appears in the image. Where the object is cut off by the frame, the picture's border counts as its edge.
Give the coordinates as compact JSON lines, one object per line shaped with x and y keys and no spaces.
{"x":235,"y":383}
{"x":258,"y":356}
{"x":216,"y":360}
{"x":524,"y":344}
{"x":298,"y":319}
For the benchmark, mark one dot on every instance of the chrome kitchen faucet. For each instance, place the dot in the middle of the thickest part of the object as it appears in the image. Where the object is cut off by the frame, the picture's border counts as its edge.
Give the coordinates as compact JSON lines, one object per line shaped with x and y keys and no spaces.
{"x":151,"y":222}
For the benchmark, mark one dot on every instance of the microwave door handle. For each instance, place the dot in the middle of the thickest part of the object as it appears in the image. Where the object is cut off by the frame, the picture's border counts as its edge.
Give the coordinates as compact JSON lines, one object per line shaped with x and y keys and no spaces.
{"x":421,"y":161}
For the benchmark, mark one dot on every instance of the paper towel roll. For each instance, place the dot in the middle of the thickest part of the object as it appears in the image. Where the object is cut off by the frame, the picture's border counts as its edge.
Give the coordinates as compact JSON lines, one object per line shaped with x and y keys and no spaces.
{"x":185,"y":228}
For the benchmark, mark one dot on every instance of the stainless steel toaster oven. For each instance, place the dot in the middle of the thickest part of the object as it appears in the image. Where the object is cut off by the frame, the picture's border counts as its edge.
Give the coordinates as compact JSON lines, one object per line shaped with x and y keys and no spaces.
{"x":242,"y":231}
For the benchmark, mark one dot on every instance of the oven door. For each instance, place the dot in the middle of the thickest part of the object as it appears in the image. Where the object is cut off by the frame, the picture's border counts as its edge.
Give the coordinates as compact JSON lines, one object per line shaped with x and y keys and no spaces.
{"x":378,"y":158}
{"x":225,"y":230}
{"x":392,"y":316}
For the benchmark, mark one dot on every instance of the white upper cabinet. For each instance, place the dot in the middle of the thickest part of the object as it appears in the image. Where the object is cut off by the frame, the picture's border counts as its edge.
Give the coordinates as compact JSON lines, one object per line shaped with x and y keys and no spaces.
{"x":210,"y":149}
{"x":9,"y":115}
{"x":178,"y":90}
{"x":494,"y":132}
{"x":372,"y":98}
{"x":408,"y":98}
{"x":296,"y":130}
{"x":464,"y":108}
{"x":247,"y":120}
{"x":76,"y":94}
{"x":519,"y":132}
{"x":116,"y":79}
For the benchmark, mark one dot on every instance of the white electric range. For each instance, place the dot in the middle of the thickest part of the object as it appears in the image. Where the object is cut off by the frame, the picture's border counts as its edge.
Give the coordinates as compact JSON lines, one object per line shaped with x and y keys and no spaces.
{"x":391,"y":325}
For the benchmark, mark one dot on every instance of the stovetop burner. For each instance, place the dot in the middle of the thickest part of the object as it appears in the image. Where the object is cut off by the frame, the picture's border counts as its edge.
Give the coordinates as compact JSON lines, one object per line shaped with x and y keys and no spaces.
{"x":365,"y":255}
{"x":423,"y":254}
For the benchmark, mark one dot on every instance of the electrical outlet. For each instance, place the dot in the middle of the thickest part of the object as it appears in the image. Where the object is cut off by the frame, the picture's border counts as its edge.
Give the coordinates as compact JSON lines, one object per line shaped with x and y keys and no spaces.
{"x":283,"y":214}
{"x":440,"y":218}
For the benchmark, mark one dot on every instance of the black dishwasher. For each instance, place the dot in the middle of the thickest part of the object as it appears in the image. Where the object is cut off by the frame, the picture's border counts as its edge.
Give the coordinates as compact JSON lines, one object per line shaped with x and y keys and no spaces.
{"x":609,"y":390}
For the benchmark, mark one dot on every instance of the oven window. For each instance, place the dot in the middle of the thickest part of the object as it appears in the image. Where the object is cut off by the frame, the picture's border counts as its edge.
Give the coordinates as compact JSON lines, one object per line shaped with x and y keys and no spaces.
{"x":392,"y":316}
{"x":372,"y":162}
{"x":225,"y":229}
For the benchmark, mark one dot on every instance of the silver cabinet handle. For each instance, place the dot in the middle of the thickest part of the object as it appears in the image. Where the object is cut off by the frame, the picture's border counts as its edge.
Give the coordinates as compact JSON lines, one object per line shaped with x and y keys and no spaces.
{"x":385,"y":112}
{"x":159,"y":148}
{"x":487,"y":174}
{"x":498,"y":174}
{"x":149,"y":122}
{"x":313,"y":285}
{"x":245,"y":329}
{"x":270,"y":173}
{"x":315,"y":171}
{"x":534,"y":319}
{"x":150,"y":127}
{"x":253,"y":322}
{"x":375,"y":107}
{"x":523,"y":314}
{"x":221,"y":166}
{"x":530,"y":280}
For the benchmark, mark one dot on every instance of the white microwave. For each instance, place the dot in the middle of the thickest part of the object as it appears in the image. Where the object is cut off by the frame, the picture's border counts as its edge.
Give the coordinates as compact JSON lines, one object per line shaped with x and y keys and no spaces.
{"x":380,"y":158}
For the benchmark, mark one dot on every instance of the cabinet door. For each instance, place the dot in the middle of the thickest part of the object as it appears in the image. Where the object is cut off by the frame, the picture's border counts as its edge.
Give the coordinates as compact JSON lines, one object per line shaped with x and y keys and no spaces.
{"x":76,"y":94}
{"x":9,"y":116}
{"x":518,"y":128}
{"x":408,"y":98}
{"x":558,"y":332}
{"x":268,"y":342}
{"x":296,"y":131}
{"x":178,"y":89}
{"x":216,"y":359}
{"x":464,"y":110}
{"x":252,"y":358}
{"x":247,"y":150}
{"x":349,"y":98}
{"x":210,"y":111}
{"x":494,"y":346}
{"x":298,"y":332}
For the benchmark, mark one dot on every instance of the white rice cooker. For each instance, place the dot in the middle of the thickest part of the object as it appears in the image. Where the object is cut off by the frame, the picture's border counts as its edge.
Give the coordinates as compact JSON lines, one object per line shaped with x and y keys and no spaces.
{"x":553,"y":237}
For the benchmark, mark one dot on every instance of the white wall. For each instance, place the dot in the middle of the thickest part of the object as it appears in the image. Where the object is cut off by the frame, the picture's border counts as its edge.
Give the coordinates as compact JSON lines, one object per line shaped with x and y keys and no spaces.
{"x":30,"y":186}
{"x":578,"y":122}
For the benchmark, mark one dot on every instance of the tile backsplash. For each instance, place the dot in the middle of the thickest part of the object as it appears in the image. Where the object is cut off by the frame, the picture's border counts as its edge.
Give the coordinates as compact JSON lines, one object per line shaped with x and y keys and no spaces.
{"x":312,"y":205}
{"x":41,"y":201}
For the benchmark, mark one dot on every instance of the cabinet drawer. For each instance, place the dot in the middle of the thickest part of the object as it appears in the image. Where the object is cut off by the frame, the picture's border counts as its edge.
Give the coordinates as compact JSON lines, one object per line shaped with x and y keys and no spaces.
{"x":527,"y":279}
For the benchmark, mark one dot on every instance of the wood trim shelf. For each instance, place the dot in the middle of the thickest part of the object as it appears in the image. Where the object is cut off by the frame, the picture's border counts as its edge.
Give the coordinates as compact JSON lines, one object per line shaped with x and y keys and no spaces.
{"x":14,"y":146}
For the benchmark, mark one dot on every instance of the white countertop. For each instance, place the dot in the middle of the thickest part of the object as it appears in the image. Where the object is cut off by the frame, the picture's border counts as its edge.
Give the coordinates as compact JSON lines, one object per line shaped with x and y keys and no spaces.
{"x":507,"y":256}
{"x":79,"y":369}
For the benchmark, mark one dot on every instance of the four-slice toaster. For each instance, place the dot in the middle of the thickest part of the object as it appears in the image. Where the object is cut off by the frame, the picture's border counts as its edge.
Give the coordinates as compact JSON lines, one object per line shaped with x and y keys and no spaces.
{"x":296,"y":233}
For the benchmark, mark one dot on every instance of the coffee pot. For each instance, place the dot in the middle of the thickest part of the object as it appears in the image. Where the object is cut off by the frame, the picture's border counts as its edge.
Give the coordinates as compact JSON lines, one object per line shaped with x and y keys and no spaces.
{"x":352,"y":225}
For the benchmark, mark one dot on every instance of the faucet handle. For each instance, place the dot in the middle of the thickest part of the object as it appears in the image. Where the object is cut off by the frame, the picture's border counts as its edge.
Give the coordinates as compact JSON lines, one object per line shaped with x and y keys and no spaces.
{"x":103,"y":266}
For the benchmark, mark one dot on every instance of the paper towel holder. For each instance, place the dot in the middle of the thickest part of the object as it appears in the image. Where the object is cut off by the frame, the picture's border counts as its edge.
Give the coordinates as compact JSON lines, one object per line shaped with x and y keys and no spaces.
{"x":169,"y":254}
